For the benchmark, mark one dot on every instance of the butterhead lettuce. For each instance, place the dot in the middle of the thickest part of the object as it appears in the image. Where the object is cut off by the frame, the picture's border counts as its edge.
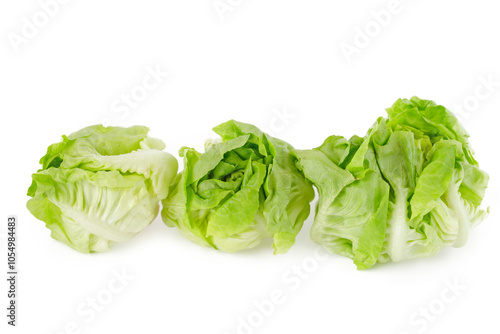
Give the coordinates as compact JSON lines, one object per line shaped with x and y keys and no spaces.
{"x":243,"y":189}
{"x":101,"y":185}
{"x":407,"y":189}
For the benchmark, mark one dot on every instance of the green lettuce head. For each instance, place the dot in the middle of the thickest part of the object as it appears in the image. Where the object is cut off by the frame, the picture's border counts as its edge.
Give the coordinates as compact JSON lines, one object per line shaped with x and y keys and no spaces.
{"x":407,"y":189}
{"x":101,"y":185}
{"x":244,"y":188}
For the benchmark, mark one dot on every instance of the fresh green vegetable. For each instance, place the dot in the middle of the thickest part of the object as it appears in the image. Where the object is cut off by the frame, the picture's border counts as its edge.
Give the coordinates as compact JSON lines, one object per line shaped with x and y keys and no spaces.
{"x":407,"y":189}
{"x":101,"y":185}
{"x":244,"y":188}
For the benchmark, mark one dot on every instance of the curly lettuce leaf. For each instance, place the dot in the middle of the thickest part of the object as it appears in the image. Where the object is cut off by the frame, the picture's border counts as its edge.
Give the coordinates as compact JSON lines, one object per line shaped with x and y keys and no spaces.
{"x":243,"y":189}
{"x":128,"y":150}
{"x":101,"y":185}
{"x":407,"y":189}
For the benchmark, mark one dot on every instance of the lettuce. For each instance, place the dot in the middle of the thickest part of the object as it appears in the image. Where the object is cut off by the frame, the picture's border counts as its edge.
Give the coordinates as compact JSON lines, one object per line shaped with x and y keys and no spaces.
{"x":243,"y":189}
{"x":407,"y":189}
{"x":101,"y":185}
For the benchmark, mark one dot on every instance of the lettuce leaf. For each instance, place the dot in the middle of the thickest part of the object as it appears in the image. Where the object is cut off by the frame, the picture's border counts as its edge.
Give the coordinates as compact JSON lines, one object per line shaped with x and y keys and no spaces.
{"x":243,"y":189}
{"x":101,"y":185}
{"x":407,"y":189}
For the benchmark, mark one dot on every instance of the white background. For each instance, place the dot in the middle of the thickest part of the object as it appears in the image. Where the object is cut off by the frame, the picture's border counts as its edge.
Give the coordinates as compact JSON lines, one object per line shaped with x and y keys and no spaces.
{"x":260,"y":59}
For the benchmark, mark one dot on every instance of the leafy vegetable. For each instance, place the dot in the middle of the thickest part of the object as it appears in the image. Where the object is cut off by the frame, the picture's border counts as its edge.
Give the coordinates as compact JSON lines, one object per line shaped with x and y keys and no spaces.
{"x":244,"y":188}
{"x":101,"y":185}
{"x":407,"y":189}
